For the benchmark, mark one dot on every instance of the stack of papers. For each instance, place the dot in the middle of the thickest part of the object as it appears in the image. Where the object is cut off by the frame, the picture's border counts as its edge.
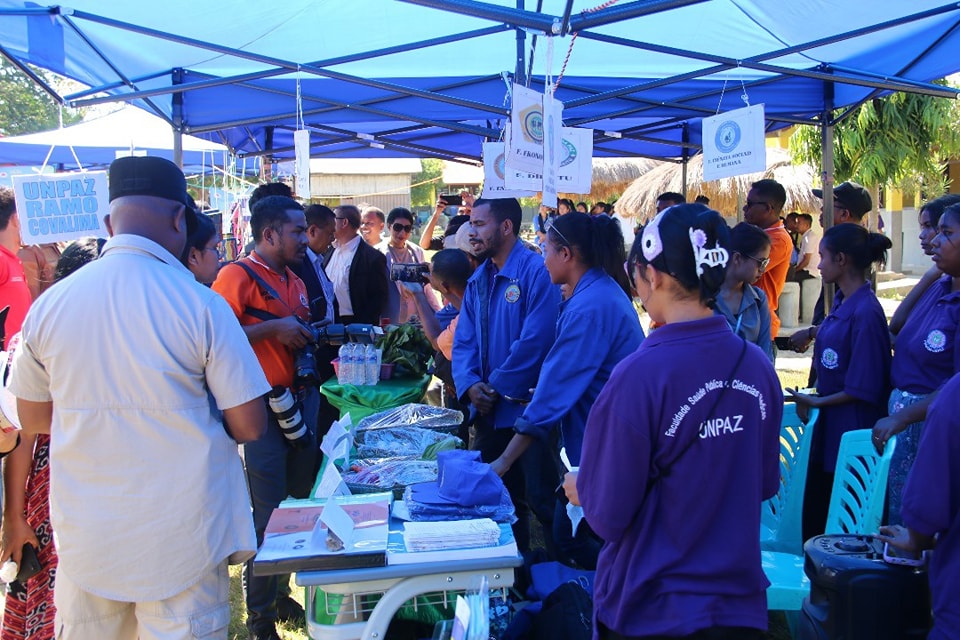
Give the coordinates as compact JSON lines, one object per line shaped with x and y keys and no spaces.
{"x":298,"y":533}
{"x":455,"y":534}
{"x":398,"y":553}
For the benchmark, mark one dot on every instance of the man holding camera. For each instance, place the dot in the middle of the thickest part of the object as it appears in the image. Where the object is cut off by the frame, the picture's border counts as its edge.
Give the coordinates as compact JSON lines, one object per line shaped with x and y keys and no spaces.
{"x":271,"y":303}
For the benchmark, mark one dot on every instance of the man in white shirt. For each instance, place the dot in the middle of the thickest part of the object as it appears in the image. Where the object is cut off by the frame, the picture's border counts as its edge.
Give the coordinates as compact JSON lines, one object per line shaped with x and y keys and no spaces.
{"x":358,"y":271}
{"x":125,"y":364}
{"x":372,"y":222}
{"x":809,"y":251}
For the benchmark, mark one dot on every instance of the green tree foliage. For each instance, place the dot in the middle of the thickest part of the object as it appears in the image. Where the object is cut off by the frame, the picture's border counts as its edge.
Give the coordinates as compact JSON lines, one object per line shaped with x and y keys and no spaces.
{"x":428,"y":183}
{"x":903,"y":140}
{"x":25,"y":107}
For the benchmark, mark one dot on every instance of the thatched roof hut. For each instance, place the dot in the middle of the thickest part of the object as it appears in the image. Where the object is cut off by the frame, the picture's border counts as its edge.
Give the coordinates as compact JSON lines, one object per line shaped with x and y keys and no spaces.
{"x":612,"y":176}
{"x":727,"y":195}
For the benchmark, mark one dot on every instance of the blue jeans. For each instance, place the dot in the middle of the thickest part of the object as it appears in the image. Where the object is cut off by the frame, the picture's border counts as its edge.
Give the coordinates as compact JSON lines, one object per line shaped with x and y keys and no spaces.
{"x":274,"y":471}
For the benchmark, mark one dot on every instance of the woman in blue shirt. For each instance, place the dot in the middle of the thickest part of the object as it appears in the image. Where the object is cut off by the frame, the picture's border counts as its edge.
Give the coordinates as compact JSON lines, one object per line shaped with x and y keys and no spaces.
{"x":851,"y":357}
{"x":597,"y":327}
{"x":742,"y":304}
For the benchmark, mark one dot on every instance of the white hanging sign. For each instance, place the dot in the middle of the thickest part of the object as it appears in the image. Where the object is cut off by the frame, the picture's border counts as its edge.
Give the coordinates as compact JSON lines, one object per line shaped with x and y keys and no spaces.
{"x":519,"y":179}
{"x":552,"y":147}
{"x":301,"y":146}
{"x":525,"y":146}
{"x":576,"y":161}
{"x":733,"y":143}
{"x":61,"y":207}
{"x":493,"y":173}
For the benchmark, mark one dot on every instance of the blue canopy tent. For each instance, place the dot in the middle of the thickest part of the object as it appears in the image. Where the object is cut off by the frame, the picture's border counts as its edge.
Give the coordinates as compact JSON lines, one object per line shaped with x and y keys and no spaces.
{"x":97,"y":142}
{"x":431,"y":77}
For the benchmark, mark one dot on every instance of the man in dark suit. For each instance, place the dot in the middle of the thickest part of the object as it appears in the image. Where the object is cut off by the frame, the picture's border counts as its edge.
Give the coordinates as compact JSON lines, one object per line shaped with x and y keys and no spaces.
{"x":357,"y":270}
{"x":320,"y":228}
{"x":312,"y":270}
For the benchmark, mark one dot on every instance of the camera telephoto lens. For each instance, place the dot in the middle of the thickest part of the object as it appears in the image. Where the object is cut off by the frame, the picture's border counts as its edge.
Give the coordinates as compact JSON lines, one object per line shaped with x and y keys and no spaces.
{"x":287,"y":412}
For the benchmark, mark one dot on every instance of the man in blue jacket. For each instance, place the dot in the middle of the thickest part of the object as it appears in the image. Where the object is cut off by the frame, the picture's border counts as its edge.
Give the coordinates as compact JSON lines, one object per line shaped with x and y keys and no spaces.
{"x":507,"y":324}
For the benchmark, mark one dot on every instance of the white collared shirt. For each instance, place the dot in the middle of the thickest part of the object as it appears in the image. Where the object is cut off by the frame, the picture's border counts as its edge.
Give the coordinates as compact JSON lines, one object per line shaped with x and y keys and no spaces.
{"x":339,"y":272}
{"x":147,"y":492}
{"x":325,"y":283}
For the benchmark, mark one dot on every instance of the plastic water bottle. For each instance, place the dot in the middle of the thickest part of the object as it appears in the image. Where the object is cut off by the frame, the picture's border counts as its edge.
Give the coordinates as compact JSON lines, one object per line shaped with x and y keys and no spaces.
{"x":359,"y":377}
{"x":371,"y":368}
{"x":346,"y":364}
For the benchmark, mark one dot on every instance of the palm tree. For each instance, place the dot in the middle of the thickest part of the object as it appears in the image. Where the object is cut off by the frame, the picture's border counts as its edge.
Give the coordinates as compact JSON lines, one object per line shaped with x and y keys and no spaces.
{"x":903,"y":140}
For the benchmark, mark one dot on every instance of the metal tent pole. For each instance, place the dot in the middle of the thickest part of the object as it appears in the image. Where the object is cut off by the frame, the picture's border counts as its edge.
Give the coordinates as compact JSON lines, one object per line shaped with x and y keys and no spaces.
{"x":520,"y":71}
{"x":178,"y":120}
{"x":826,"y":148}
{"x":686,"y":156}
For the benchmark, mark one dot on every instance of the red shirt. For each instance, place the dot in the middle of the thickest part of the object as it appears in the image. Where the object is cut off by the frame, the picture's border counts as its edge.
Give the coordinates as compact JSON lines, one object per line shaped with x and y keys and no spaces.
{"x":775,"y":275}
{"x":14,"y":292}
{"x":241,"y":292}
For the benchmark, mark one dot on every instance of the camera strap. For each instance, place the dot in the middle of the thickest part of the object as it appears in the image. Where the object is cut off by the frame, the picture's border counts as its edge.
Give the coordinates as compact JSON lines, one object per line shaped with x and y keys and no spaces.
{"x":261,"y":314}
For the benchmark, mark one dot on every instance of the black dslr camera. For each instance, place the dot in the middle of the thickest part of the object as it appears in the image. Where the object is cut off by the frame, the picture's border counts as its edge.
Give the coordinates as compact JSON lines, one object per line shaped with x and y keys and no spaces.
{"x":321,"y":333}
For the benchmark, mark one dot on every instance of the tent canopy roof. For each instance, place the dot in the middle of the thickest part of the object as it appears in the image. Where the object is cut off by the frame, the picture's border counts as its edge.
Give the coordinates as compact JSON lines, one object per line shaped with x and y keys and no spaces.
{"x":430,"y":77}
{"x":97,"y":141}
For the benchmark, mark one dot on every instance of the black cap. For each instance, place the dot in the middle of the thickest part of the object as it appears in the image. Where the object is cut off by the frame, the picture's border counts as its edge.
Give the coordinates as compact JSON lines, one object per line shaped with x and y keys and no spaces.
{"x":151,"y":176}
{"x":852,"y":196}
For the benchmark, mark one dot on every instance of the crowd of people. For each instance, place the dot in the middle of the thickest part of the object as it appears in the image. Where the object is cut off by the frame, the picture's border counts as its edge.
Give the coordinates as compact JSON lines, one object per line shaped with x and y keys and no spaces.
{"x":149,"y":360}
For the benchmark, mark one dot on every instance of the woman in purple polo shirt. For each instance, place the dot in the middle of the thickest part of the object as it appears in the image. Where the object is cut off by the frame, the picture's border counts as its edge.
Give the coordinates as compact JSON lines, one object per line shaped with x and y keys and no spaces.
{"x":680,"y":449}
{"x":851,"y":357}
{"x":924,"y":358}
{"x":931,"y":509}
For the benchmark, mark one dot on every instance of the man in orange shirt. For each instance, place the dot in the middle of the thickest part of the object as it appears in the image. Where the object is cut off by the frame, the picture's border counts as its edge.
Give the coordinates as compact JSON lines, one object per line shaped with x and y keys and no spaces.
{"x":764,"y":203}
{"x":271,"y":304}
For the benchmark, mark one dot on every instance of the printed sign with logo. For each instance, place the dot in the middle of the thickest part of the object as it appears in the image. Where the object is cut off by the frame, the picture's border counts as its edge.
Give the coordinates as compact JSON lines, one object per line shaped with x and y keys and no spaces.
{"x":517,"y":179}
{"x":62,"y":206}
{"x":494,"y":168}
{"x":301,"y":147}
{"x":552,"y":147}
{"x":576,"y":161}
{"x":525,"y":144}
{"x":733,"y":143}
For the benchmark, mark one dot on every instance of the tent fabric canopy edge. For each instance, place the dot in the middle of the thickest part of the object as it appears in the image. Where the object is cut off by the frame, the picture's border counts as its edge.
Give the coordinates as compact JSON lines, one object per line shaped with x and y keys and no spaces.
{"x":456,"y":118}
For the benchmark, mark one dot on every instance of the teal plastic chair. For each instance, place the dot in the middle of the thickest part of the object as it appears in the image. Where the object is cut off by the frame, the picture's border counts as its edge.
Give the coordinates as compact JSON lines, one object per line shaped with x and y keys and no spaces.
{"x":856,"y":506}
{"x":781,"y":516}
{"x":860,"y":484}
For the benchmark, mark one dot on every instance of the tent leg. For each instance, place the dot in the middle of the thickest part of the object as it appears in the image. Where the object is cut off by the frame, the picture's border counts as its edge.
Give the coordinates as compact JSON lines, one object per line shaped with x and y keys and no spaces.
{"x":684,"y":176}
{"x":826,"y":149}
{"x":686,"y":158}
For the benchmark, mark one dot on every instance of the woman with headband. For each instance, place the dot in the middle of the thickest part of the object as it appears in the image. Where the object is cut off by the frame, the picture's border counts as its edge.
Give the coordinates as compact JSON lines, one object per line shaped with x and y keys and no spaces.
{"x":681,"y":447}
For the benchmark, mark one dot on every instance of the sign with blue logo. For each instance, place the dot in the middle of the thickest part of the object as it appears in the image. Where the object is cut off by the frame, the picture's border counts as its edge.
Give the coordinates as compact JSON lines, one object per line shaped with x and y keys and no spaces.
{"x":733,"y":143}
